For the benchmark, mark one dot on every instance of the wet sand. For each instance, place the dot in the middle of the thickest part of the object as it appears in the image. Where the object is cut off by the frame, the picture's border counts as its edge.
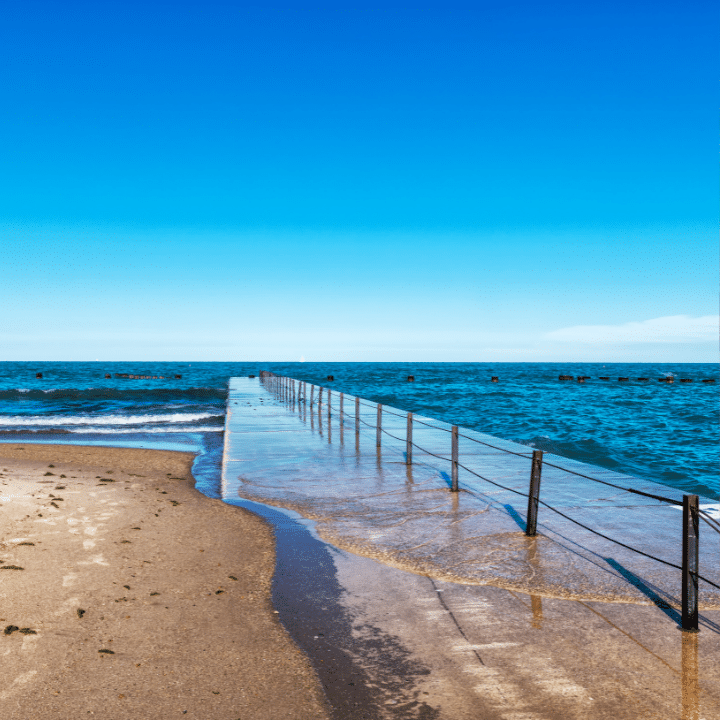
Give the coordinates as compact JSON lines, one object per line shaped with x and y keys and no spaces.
{"x":389,"y":644}
{"x":125,"y":593}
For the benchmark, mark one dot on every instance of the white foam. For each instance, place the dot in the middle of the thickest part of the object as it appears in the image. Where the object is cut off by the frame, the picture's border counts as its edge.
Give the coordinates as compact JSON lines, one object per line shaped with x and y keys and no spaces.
{"x":711,"y":509}
{"x":145,"y":430}
{"x":63,"y":420}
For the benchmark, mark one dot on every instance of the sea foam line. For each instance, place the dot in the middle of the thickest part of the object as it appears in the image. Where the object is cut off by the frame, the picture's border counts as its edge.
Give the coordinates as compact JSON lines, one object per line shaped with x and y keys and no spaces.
{"x":61,"y":420}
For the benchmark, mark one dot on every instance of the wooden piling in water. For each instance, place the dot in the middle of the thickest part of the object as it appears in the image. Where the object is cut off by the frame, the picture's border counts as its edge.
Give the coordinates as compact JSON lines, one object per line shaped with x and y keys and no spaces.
{"x":378,"y":431}
{"x":454,"y":478}
{"x":408,"y":442}
{"x":534,"y":494}
{"x":691,"y":529}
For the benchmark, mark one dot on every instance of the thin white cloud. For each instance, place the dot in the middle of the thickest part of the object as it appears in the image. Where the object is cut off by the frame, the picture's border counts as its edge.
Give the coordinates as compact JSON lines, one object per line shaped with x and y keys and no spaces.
{"x":671,"y":329}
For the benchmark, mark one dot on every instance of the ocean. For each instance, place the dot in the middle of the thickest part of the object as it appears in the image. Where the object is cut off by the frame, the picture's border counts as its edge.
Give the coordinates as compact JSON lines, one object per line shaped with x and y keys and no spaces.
{"x":665,"y":433}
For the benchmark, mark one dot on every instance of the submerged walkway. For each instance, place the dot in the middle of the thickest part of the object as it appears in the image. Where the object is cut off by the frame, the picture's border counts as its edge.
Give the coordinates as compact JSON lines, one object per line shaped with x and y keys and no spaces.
{"x":307,"y":455}
{"x":453,"y":612}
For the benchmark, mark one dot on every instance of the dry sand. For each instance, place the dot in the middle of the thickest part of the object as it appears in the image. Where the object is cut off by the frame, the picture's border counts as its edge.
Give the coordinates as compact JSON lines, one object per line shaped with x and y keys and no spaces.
{"x":126,"y":593}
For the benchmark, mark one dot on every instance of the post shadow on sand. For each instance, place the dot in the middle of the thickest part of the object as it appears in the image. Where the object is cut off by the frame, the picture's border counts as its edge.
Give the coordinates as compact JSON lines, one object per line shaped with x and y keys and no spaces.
{"x":646,"y":590}
{"x":446,"y":478}
{"x":361,"y":669}
{"x":515,"y":515}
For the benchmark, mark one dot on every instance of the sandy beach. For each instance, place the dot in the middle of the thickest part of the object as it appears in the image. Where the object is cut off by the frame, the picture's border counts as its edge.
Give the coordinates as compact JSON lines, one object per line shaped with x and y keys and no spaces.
{"x":126,"y":593}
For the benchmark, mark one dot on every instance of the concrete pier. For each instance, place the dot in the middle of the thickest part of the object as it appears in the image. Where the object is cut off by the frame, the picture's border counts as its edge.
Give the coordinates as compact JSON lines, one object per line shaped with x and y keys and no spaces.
{"x":486,"y":619}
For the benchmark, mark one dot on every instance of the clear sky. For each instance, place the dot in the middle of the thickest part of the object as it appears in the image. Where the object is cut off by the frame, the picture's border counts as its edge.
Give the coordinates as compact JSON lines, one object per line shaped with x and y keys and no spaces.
{"x":519,"y":181}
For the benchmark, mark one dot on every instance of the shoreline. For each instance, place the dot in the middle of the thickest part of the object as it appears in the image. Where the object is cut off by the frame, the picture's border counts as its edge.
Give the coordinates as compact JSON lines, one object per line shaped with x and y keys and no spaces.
{"x":139,"y":597}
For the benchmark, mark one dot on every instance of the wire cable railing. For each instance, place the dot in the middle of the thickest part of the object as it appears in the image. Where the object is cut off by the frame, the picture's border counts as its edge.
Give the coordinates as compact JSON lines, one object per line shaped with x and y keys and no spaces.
{"x":708,"y":518}
{"x":549,"y":464}
{"x":689,"y":503}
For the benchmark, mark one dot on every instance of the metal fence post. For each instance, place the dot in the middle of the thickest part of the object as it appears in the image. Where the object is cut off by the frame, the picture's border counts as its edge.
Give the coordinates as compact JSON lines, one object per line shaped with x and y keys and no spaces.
{"x":312,"y":395}
{"x":329,"y":402}
{"x":341,"y":421}
{"x":454,"y":487}
{"x":378,"y":432}
{"x":408,"y":444}
{"x":531,"y":526}
{"x":357,"y":414}
{"x":691,"y":520}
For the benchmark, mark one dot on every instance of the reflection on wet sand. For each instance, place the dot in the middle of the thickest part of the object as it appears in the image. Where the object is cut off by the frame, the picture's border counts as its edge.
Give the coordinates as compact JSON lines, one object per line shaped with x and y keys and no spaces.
{"x":409,"y":475}
{"x":690,"y":699}
{"x":535,"y":600}
{"x":536,"y":604}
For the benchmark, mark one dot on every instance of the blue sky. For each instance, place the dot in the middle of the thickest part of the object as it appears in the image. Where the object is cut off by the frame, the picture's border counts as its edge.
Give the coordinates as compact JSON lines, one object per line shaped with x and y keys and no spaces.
{"x":482,"y":182}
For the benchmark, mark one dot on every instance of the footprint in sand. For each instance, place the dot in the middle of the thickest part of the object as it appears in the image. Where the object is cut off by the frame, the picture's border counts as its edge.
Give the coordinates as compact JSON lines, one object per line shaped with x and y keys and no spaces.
{"x":17,"y":683}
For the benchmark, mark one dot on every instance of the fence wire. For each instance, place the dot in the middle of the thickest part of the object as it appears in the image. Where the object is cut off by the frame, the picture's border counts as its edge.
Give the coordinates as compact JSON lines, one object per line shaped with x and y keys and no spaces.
{"x":660,"y":498}
{"x":708,"y":519}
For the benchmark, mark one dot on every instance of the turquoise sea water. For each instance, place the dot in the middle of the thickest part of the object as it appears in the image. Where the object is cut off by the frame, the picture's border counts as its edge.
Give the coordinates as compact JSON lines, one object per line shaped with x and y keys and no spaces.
{"x":667,"y":433}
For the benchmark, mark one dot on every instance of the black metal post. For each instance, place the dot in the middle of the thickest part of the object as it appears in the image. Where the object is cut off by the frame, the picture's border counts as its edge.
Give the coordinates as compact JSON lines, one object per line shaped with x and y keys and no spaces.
{"x":454,"y":487}
{"x":691,"y":522}
{"x":357,"y":414}
{"x":408,"y":444}
{"x":329,"y":402}
{"x":341,"y":422}
{"x":531,"y":528}
{"x":378,"y":432}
